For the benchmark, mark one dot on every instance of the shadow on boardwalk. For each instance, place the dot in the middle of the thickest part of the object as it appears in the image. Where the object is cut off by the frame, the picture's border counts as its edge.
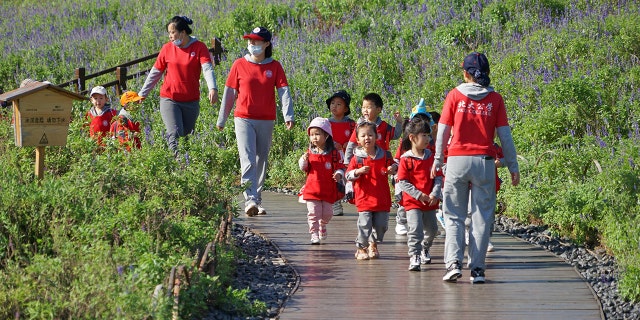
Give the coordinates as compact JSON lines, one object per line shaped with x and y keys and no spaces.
{"x":523,"y":282}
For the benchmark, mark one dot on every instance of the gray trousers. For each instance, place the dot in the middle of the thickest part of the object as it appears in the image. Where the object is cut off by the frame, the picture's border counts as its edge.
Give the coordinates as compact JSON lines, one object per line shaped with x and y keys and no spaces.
{"x":422,"y":228}
{"x":371,"y":225}
{"x":179,"y":119}
{"x":254,"y":143}
{"x":464,"y":175}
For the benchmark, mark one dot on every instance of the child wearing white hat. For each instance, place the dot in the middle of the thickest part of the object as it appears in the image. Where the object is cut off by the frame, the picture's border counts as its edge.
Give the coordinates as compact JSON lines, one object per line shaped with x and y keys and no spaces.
{"x":324,"y":168}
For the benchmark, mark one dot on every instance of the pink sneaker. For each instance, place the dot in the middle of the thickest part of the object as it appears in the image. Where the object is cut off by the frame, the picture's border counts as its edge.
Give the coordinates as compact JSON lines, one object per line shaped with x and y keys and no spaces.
{"x":323,"y":232}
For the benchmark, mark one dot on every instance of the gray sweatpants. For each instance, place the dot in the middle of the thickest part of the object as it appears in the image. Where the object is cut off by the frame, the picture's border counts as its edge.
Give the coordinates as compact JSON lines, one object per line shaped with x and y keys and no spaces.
{"x":422,"y":228}
{"x":179,"y":119}
{"x":464,"y":175}
{"x":254,"y":142}
{"x":371,"y":225}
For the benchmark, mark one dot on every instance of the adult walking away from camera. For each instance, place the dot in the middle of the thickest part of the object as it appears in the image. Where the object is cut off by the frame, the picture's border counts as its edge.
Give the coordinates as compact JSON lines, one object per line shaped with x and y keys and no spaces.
{"x":180,"y":61}
{"x":252,"y":82}
{"x":471,"y":113}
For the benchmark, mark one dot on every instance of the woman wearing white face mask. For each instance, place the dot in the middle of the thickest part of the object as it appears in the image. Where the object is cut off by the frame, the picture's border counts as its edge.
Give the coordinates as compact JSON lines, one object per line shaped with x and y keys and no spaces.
{"x":180,"y":61}
{"x":252,"y":83}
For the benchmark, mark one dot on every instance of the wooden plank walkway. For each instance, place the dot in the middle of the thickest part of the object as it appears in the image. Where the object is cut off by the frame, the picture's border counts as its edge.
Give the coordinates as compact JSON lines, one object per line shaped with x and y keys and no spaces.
{"x":523,"y":282}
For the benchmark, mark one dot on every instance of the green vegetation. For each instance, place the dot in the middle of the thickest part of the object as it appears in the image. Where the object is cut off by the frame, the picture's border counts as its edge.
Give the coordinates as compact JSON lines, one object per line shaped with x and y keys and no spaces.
{"x":101,"y":230}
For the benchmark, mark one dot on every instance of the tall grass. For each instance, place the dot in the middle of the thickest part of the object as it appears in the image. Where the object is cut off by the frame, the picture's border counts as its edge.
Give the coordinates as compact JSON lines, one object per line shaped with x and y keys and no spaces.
{"x":569,"y":72}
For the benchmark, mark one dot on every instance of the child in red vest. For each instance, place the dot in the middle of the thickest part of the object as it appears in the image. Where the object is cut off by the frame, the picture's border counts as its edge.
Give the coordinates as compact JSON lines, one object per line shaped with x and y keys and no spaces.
{"x":418,"y":111}
{"x":371,"y":109}
{"x":420,"y":193}
{"x":124,"y":128}
{"x":369,"y":170}
{"x":324,"y":167}
{"x":342,"y":127}
{"x":100,"y":115}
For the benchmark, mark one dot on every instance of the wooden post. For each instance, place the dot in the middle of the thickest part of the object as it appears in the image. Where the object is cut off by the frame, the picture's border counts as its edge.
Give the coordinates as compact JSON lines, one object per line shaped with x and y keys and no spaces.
{"x":40,"y":162}
{"x":80,"y":83}
{"x":217,"y":51}
{"x":121,"y":76}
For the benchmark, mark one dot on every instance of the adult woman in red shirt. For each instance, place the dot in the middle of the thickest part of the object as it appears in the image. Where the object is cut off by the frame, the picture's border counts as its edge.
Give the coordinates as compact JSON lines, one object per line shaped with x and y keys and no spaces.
{"x":180,"y":61}
{"x":252,"y":83}
{"x":471,"y":113}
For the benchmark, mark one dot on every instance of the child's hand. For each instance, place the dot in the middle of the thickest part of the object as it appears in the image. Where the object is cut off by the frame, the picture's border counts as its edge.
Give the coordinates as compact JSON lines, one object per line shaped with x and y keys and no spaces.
{"x":338,"y":146}
{"x":305,"y":156}
{"x":363,"y":170}
{"x":337,"y":176}
{"x":424,"y":198}
{"x":398,"y":117}
{"x":392,"y":169}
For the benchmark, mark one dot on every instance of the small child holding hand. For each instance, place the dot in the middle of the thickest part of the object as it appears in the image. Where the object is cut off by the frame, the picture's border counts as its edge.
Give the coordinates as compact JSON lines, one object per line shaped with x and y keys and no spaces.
{"x":124,"y":128}
{"x":420,"y":193}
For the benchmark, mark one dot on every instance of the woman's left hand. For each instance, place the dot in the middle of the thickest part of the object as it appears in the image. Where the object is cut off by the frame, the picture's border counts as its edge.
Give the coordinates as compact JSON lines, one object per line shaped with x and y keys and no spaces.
{"x":213,"y":96}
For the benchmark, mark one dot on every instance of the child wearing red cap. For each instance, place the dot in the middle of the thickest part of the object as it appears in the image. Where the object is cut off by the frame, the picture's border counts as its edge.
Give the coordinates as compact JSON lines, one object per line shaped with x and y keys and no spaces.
{"x":124,"y":128}
{"x":324,"y":167}
{"x":100,"y":115}
{"x":342,"y":127}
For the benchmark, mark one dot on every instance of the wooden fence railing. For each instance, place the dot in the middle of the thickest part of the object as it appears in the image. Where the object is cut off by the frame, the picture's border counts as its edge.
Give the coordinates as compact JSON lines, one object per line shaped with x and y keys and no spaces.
{"x":120,"y":83}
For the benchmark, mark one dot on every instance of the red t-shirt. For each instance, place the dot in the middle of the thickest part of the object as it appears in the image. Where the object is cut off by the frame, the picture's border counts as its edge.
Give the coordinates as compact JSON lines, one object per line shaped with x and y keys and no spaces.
{"x":371,"y":190}
{"x":342,"y":131}
{"x":256,"y":84}
{"x":182,"y":67}
{"x":385,"y":132}
{"x":417,"y":172}
{"x":474,"y":122}
{"x":320,"y":184}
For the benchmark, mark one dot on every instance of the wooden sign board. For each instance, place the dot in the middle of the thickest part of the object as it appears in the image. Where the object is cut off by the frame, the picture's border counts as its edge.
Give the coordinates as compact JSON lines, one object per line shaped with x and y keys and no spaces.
{"x":41,"y":114}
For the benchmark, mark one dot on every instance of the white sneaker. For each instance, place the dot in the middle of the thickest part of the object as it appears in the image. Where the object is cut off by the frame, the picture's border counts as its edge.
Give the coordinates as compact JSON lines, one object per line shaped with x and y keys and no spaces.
{"x":251,"y":209}
{"x":425,"y":257}
{"x":490,"y":247}
{"x":314,"y":238}
{"x":401,"y":229}
{"x":414,"y":263}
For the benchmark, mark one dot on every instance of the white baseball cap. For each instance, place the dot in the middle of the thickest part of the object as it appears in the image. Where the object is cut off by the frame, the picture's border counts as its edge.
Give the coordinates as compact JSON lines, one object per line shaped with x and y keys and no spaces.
{"x":98,"y":89}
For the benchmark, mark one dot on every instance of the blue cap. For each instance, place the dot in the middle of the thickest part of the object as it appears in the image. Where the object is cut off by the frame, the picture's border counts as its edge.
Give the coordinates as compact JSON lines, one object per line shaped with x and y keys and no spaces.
{"x":421,"y":108}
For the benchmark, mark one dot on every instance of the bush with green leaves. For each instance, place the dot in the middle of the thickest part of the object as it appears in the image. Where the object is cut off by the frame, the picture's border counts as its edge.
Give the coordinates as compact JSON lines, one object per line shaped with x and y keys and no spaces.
{"x":567,"y":69}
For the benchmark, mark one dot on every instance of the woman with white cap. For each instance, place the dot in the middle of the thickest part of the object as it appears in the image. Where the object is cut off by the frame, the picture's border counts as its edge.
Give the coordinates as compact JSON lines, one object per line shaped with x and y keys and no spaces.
{"x":251,"y":85}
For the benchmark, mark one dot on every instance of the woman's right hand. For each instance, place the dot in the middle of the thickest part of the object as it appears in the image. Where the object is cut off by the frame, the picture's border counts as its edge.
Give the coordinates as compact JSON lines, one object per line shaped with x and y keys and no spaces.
{"x":220,"y":128}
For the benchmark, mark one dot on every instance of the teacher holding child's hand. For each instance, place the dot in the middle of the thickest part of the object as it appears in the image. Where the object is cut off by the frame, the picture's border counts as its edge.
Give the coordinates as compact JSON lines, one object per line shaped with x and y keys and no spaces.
{"x":252,"y":83}
{"x":180,"y":61}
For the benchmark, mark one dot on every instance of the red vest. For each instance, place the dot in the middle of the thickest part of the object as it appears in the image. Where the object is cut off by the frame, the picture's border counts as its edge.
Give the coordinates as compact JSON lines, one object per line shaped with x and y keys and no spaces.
{"x":371,"y":190}
{"x":417,"y":172}
{"x":342,"y":132}
{"x":125,"y":130}
{"x":99,"y":125}
{"x":385,"y":132}
{"x":320,"y":184}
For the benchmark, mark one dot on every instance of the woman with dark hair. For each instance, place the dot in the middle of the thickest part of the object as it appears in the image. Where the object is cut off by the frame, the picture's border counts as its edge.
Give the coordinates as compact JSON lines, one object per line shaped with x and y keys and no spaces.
{"x":180,"y":61}
{"x":252,"y":83}
{"x":472,"y":112}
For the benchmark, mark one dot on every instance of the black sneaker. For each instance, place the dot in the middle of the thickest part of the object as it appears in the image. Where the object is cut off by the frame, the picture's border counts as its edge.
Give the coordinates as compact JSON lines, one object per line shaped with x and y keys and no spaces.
{"x":454,"y":271}
{"x":477,"y":275}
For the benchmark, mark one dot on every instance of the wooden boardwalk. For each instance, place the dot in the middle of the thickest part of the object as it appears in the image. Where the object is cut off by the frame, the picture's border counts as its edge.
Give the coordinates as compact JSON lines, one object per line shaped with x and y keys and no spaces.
{"x":523,"y":282}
